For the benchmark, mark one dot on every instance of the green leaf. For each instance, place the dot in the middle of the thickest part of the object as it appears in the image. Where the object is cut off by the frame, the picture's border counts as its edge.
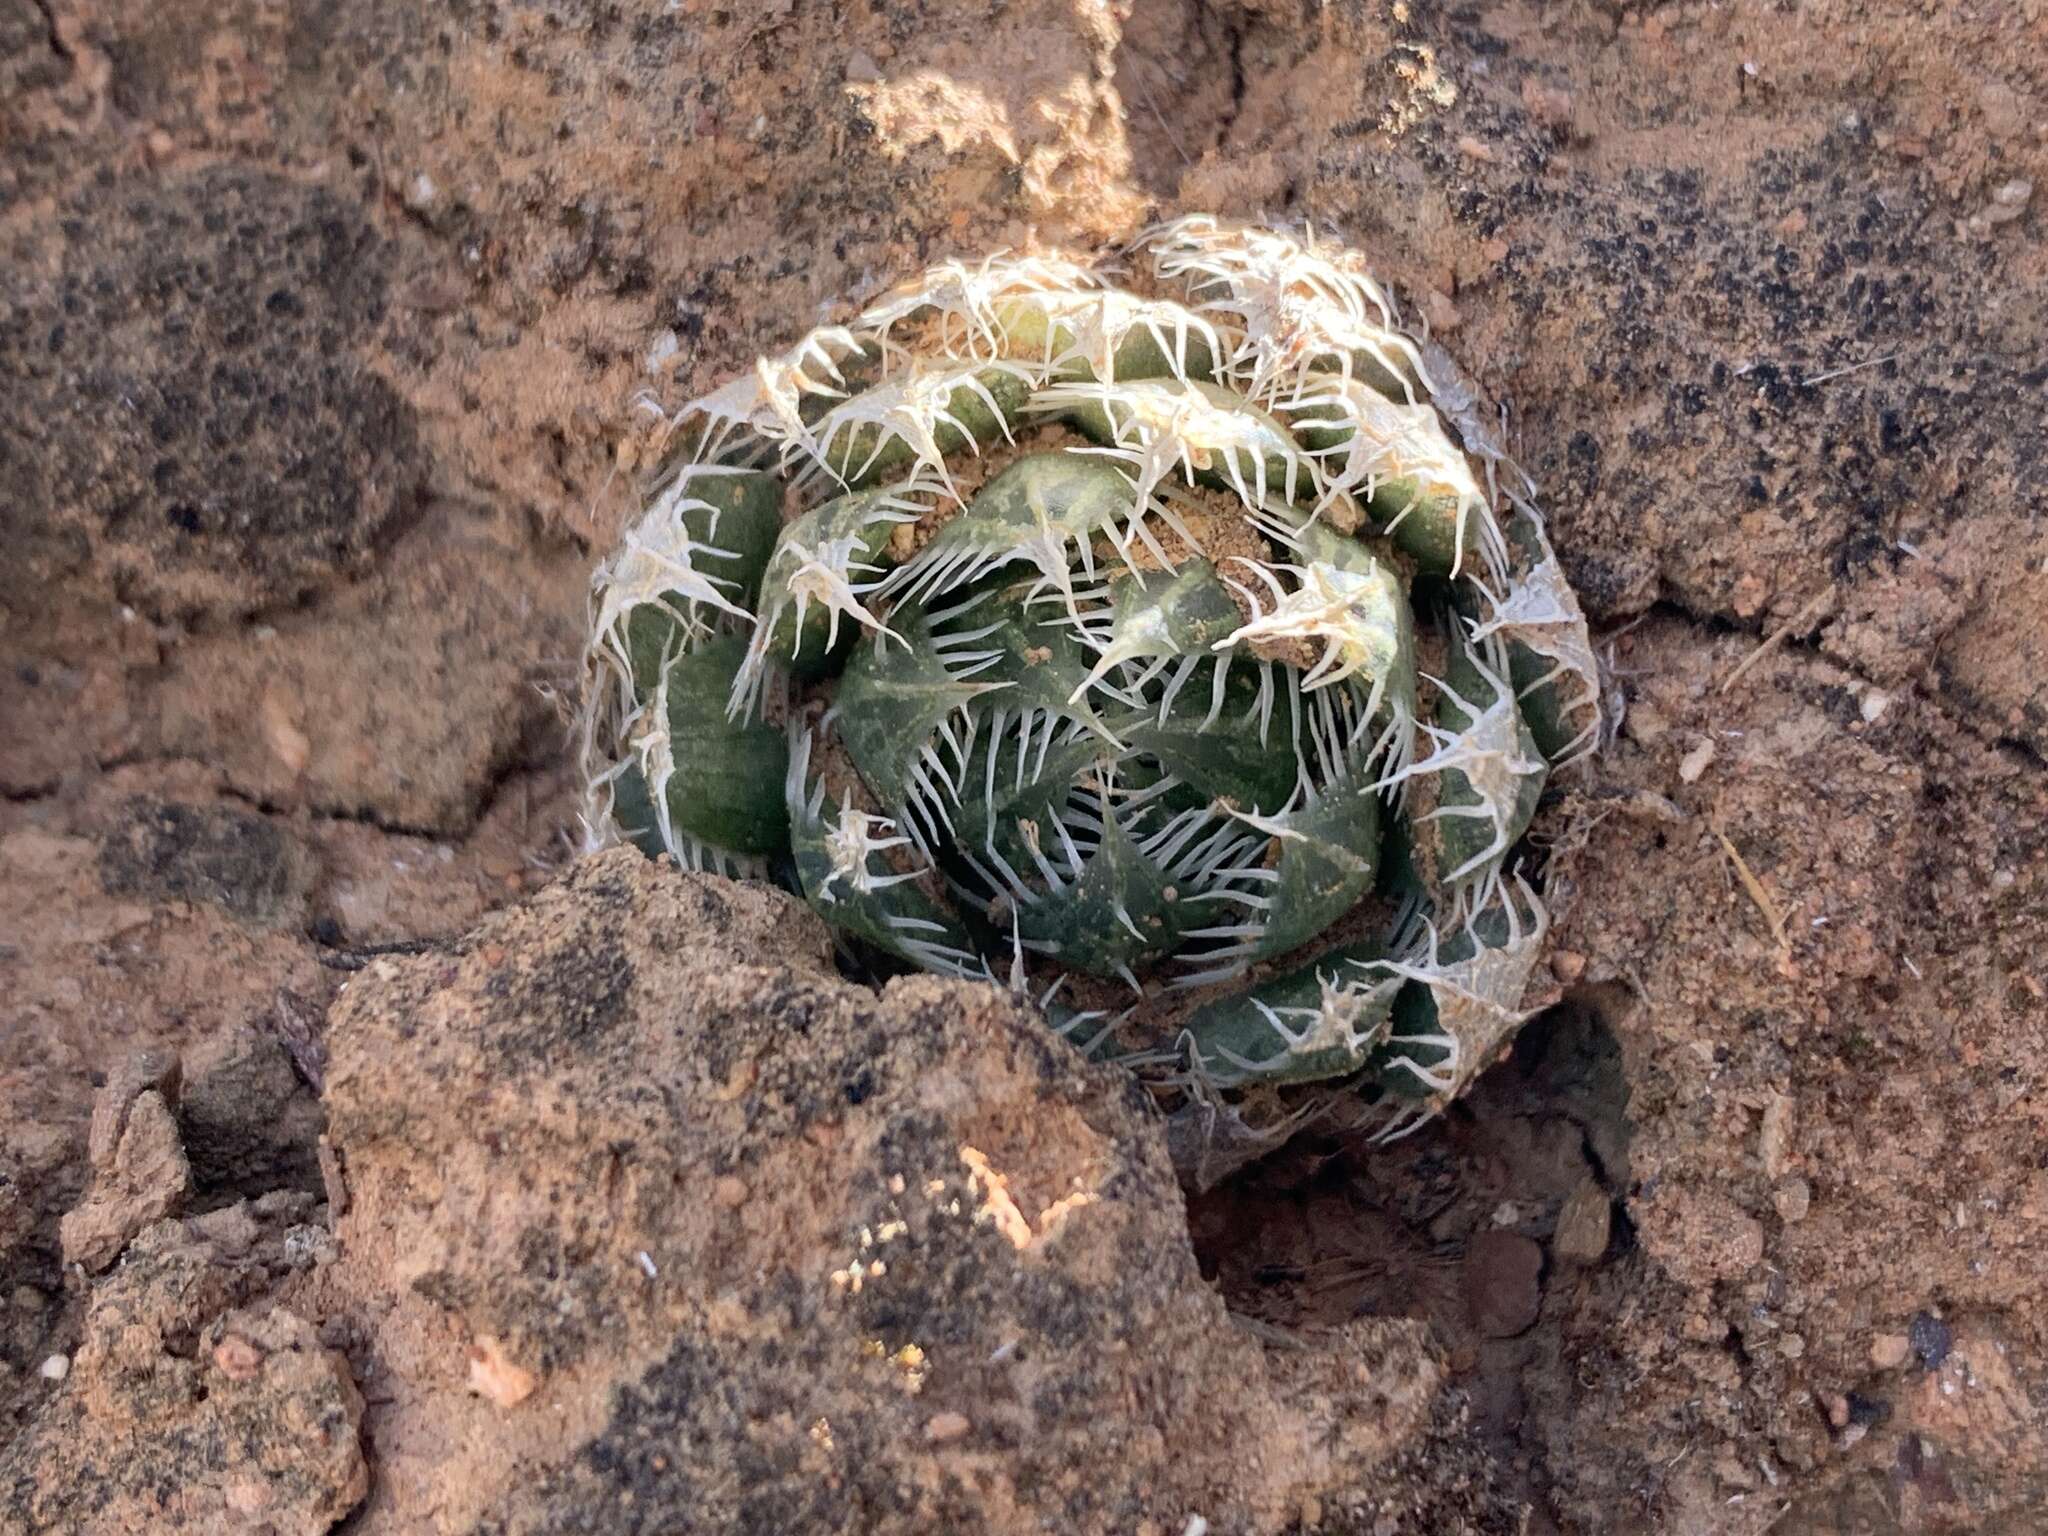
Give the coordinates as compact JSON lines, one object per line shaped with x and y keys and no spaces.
{"x":1329,"y":861}
{"x":842,"y":868}
{"x":1322,"y":1020}
{"x":739,"y":512}
{"x":1226,"y":758}
{"x":1113,"y":915}
{"x":1158,"y":615}
{"x":1144,"y":338}
{"x":1416,"y":484}
{"x":892,"y":698}
{"x":633,"y":810}
{"x":850,"y":534}
{"x":1230,"y":442}
{"x":1042,"y":510}
{"x":862,"y":452}
{"x":725,"y":780}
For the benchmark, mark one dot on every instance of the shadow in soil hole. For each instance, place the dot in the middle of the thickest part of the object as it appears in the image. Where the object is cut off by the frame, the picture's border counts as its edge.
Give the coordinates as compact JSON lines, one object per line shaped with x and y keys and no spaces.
{"x":1179,"y":72}
{"x":1501,"y":1223}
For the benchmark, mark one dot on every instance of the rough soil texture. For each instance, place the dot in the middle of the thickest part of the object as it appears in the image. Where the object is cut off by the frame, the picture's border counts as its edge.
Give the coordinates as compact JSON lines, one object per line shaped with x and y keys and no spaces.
{"x":654,"y":1223}
{"x":182,"y":1412}
{"x":319,"y":335}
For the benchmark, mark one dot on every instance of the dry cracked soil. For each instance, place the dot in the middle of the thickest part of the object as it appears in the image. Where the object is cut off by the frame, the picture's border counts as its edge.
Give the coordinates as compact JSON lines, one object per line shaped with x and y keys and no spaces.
{"x":368,"y":1165}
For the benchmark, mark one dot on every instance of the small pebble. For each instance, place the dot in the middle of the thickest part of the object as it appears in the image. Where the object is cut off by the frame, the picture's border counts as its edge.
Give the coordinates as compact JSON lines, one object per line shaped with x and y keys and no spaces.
{"x":942,"y":1427}
{"x":1644,"y":724}
{"x":307,"y":1244}
{"x":1888,"y":1351}
{"x":1931,"y":1339}
{"x":1793,"y":1197}
{"x":56,"y":1368}
{"x":1868,"y":1411}
{"x":291,"y":746}
{"x":2004,"y":112}
{"x":1584,"y":1225}
{"x":494,"y":1376}
{"x":730,"y":1191}
{"x":232,"y":1228}
{"x":1774,"y":1142}
{"x":237,"y":1358}
{"x":1697,"y":761}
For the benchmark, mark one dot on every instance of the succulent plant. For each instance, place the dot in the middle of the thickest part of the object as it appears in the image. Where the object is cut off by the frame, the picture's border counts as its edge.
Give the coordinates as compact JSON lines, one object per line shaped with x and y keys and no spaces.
{"x":1164,"y":647}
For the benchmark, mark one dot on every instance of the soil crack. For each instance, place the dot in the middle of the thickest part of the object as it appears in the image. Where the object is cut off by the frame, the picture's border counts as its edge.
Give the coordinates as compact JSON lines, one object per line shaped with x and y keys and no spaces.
{"x":57,"y":43}
{"x":2004,"y":745}
{"x":1233,"y":30}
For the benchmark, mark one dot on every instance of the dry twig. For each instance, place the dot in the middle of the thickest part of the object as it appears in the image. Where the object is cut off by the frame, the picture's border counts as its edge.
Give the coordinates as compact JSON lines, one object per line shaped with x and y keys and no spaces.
{"x":1805,"y":616}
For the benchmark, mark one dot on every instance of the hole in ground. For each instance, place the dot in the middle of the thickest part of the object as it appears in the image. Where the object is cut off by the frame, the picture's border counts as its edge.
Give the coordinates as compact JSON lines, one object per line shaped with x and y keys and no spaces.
{"x":1457,"y":1224}
{"x":1177,"y":71}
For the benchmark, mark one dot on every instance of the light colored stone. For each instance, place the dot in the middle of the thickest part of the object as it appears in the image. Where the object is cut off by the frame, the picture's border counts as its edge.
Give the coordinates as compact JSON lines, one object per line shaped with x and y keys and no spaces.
{"x":1584,"y":1225}
{"x":1645,"y":724}
{"x":1793,"y":1198}
{"x":492,"y":1375}
{"x":138,"y":1073}
{"x":147,"y":1178}
{"x":1774,"y":1143}
{"x":232,"y":1228}
{"x":237,"y":1358}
